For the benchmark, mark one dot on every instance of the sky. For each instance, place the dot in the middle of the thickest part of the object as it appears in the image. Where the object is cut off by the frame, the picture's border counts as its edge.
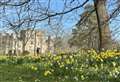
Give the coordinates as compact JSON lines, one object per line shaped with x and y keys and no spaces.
{"x":68,"y":20}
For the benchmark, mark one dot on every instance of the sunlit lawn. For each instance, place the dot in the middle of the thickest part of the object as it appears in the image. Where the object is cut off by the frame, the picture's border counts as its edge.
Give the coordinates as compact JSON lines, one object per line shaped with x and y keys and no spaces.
{"x":16,"y":73}
{"x":32,"y":69}
{"x":19,"y":73}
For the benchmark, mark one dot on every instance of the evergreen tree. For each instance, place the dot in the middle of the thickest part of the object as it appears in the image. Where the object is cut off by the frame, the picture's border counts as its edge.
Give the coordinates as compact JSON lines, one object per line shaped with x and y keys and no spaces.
{"x":85,"y":35}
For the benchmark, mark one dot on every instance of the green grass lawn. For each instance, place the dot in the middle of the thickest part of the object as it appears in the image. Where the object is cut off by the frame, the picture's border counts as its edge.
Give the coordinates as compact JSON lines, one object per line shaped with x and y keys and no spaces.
{"x":20,"y":73}
{"x":15,"y":73}
{"x":32,"y":69}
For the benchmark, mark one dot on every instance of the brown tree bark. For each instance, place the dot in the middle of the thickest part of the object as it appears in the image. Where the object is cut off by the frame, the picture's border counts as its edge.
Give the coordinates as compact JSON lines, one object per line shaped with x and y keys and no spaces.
{"x":103,"y":27}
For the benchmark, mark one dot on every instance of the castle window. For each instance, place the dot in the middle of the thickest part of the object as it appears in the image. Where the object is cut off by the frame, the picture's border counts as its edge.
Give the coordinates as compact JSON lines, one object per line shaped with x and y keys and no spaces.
{"x":31,"y":42}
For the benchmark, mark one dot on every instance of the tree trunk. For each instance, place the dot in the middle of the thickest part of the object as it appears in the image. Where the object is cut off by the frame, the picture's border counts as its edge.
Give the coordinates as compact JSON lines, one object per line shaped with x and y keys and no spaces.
{"x":35,"y":49}
{"x":48,"y":43}
{"x":23,"y":47}
{"x":103,"y":27}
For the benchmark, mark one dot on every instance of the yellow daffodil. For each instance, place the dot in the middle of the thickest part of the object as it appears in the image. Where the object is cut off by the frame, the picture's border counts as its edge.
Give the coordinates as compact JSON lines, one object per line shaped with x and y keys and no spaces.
{"x":46,"y":73}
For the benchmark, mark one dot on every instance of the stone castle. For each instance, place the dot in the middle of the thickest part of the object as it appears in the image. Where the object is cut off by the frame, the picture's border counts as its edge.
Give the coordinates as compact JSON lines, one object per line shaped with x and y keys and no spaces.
{"x":32,"y":41}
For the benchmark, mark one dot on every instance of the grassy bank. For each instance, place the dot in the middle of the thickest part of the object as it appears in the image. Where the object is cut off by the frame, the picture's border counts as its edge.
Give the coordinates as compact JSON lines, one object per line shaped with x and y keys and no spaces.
{"x":82,"y":66}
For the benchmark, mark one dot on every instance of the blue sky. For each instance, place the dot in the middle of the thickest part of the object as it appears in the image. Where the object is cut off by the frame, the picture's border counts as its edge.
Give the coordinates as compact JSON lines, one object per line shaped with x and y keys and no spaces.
{"x":69,"y":20}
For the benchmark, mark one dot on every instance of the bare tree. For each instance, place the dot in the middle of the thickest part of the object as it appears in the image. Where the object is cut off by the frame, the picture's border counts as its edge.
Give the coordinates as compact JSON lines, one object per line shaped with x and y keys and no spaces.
{"x":39,"y":11}
{"x":104,"y":31}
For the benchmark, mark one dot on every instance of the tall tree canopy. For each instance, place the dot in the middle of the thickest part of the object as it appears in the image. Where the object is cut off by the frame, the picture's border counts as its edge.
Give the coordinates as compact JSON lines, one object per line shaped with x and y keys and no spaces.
{"x":19,"y":14}
{"x":85,"y":35}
